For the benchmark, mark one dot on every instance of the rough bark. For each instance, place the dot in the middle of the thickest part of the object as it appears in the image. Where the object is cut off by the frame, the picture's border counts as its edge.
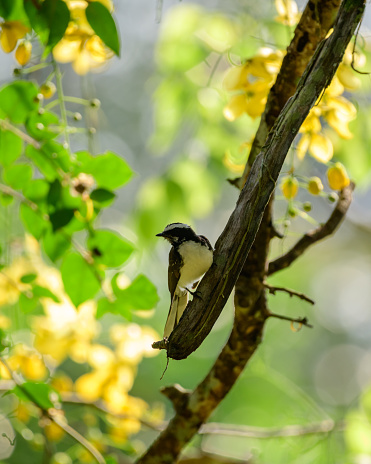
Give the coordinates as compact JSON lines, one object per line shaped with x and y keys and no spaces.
{"x":238,"y":236}
{"x":315,"y":22}
{"x":194,"y":408}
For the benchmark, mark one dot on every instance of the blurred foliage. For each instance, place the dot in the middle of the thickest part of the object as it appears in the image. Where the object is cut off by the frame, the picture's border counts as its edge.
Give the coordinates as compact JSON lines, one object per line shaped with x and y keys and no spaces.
{"x":61,"y":271}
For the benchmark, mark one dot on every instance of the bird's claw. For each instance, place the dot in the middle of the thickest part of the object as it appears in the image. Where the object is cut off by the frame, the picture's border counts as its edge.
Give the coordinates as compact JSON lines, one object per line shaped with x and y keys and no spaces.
{"x":196,"y":293}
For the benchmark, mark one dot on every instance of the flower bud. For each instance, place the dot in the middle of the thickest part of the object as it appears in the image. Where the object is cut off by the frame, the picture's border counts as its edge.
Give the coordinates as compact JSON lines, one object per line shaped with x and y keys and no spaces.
{"x":337,"y":177}
{"x":315,"y":186}
{"x":307,"y":206}
{"x":289,"y":187}
{"x":23,"y":52}
{"x":48,"y":89}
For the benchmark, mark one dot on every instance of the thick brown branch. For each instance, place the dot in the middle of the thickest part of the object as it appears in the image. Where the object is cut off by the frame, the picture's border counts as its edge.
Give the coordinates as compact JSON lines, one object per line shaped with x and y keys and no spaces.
{"x":317,"y":234}
{"x":235,"y":241}
{"x":231,"y":251}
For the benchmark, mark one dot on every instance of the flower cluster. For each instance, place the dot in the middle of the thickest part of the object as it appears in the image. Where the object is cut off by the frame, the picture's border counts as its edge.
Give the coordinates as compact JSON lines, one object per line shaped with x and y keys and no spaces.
{"x":250,"y":84}
{"x":80,"y":45}
{"x":11,"y":33}
{"x":65,"y":331}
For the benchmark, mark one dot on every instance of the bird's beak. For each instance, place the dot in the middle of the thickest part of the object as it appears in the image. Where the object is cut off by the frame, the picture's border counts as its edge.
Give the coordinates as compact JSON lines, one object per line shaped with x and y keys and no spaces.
{"x":161,"y":234}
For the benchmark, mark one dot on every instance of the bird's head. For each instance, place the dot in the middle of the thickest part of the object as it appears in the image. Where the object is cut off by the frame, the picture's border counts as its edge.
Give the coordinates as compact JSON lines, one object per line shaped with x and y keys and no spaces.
{"x":177,"y":233}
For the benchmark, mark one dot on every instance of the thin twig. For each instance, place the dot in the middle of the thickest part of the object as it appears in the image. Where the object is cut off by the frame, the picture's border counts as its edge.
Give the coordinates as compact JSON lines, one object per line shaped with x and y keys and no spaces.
{"x":54,"y":415}
{"x":321,"y":232}
{"x":214,"y":428}
{"x":298,"y":320}
{"x":58,"y":80}
{"x":14,"y":193}
{"x":8,"y":126}
{"x":325,"y":426}
{"x":292,"y":293}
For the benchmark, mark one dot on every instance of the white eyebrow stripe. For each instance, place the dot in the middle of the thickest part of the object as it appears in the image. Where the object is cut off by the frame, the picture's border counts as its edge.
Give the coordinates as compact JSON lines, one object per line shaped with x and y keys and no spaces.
{"x":176,"y":225}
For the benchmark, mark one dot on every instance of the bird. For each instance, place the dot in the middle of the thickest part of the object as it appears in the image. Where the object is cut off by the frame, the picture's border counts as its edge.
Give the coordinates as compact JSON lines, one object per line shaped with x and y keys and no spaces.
{"x":190,"y":256}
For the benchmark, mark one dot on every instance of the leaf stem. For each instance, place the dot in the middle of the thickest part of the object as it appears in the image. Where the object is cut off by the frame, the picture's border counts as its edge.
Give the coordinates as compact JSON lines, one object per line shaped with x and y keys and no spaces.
{"x":62,"y":106}
{"x":4,"y":124}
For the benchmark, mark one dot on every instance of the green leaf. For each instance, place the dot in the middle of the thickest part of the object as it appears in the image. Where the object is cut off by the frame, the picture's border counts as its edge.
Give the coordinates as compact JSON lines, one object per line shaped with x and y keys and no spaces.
{"x":141,"y":294}
{"x":33,"y":221}
{"x":111,"y":460}
{"x":28,"y":303}
{"x":57,"y":17}
{"x":110,"y":170}
{"x":6,"y":7}
{"x":11,"y":147}
{"x":79,"y":279}
{"x":37,"y":21}
{"x":37,"y":125}
{"x":58,"y":153}
{"x":61,"y":218}
{"x":103,"y":196}
{"x":12,"y":10}
{"x":18,"y":175}
{"x":4,"y":342}
{"x":55,"y":193}
{"x":6,"y":199}
{"x":43,"y":162}
{"x":18,"y":100}
{"x":36,"y":190}
{"x":116,"y":307}
{"x":103,"y":24}
{"x":43,"y":292}
{"x":37,"y":392}
{"x":55,"y":245}
{"x":109,"y":248}
{"x":28,"y":278}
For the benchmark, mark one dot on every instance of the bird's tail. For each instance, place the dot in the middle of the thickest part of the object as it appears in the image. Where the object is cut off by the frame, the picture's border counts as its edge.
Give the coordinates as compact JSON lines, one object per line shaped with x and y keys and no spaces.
{"x":176,"y":310}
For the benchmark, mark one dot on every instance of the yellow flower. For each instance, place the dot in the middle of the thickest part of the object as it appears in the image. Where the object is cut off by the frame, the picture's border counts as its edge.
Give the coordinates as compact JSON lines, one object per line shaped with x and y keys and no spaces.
{"x":23,"y":52}
{"x":315,"y":186}
{"x":133,"y":342}
{"x":80,"y":45}
{"x":289,"y":187}
{"x":312,"y":123}
{"x":11,"y":32}
{"x":337,"y":177}
{"x":252,"y":81}
{"x":10,"y":280}
{"x":62,"y":383}
{"x":22,"y":412}
{"x":53,"y":431}
{"x":65,"y":330}
{"x":288,"y":13}
{"x":346,"y":75}
{"x":5,"y":322}
{"x":320,"y":147}
{"x":338,"y":113}
{"x":27,"y":361}
{"x":48,"y":89}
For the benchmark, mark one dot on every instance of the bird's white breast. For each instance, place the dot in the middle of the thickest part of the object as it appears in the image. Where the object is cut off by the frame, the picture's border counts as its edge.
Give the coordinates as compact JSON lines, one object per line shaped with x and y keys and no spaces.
{"x":196,"y":261}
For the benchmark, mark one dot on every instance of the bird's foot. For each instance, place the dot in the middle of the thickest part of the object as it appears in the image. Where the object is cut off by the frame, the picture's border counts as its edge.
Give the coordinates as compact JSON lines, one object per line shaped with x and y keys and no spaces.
{"x":196,"y":293}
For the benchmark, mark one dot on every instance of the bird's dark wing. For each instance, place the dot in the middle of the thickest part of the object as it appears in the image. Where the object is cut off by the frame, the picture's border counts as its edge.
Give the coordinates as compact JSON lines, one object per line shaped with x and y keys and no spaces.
{"x":175,"y":263}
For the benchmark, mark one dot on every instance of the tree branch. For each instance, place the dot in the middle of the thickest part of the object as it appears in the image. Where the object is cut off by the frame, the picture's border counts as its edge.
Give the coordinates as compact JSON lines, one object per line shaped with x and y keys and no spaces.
{"x":292,"y":293}
{"x":55,"y":416}
{"x":313,"y":26}
{"x":236,"y":240}
{"x":317,"y":234}
{"x":232,"y":249}
{"x":325,"y":426}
